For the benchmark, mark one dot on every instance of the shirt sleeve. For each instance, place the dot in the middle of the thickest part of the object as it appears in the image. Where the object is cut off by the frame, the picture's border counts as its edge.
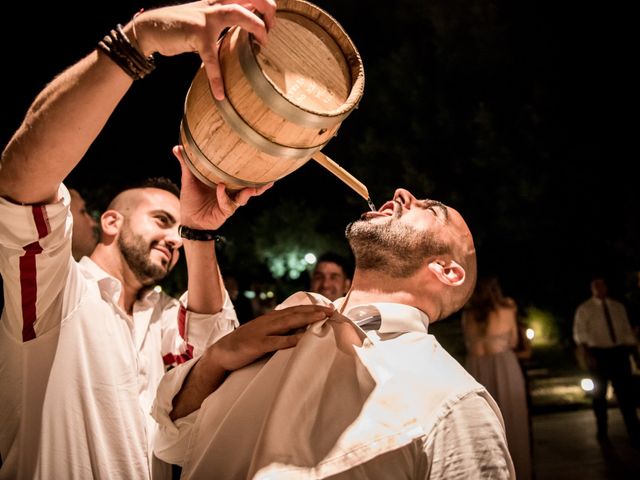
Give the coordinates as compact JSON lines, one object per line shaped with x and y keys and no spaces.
{"x":187,"y":335}
{"x":172,"y":439}
{"x":469,"y":443}
{"x":35,"y":261}
{"x":580,"y":334}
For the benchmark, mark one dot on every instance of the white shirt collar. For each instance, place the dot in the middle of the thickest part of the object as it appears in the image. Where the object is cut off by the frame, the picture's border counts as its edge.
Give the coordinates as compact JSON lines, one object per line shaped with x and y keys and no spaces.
{"x":110,"y":287}
{"x":395,"y":317}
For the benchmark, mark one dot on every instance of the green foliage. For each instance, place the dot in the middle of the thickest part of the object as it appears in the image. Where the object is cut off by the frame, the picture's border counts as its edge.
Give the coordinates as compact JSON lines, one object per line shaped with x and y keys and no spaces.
{"x":285,"y":234}
{"x":545,"y":326}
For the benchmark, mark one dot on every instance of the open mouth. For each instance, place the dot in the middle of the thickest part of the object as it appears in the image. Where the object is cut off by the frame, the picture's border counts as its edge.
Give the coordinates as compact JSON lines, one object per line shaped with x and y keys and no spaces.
{"x":387,"y":210}
{"x":368,"y":215}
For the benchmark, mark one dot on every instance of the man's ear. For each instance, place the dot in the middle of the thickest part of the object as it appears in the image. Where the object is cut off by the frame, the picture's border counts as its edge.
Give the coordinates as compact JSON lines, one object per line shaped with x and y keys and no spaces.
{"x":111,"y":222}
{"x":448,"y":272}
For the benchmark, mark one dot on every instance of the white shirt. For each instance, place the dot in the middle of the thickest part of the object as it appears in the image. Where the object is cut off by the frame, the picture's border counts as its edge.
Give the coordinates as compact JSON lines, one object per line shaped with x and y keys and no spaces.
{"x":78,"y":375}
{"x":590,"y":324}
{"x":397,"y":407}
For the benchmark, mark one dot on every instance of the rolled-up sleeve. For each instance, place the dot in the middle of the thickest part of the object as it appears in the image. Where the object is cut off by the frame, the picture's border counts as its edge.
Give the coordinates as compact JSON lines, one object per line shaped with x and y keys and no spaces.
{"x":35,"y":262}
{"x":202,"y":329}
{"x":187,"y":334}
{"x":172,"y":438}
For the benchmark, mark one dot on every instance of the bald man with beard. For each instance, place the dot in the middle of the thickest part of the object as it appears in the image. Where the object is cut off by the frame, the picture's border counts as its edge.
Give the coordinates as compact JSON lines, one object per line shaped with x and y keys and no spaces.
{"x":367,"y":393}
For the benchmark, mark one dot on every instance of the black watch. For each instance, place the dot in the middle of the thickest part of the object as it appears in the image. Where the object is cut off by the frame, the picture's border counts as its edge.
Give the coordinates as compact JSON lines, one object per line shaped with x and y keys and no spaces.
{"x":198,"y":235}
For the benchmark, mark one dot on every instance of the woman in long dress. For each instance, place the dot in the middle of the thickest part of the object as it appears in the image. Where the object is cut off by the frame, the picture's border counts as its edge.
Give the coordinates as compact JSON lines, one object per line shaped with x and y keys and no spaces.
{"x":489,"y":322}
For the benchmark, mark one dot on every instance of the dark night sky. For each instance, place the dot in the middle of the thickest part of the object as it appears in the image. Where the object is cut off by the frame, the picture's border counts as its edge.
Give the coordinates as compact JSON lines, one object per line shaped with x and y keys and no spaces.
{"x":545,"y":183}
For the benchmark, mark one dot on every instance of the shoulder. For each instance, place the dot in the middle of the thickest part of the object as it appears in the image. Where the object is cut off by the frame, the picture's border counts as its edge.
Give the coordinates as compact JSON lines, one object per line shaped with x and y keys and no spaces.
{"x":585,"y":305}
{"x":436,"y":375}
{"x":618,"y":307}
{"x":443,"y":360}
{"x":509,"y":309}
{"x":615,"y":303}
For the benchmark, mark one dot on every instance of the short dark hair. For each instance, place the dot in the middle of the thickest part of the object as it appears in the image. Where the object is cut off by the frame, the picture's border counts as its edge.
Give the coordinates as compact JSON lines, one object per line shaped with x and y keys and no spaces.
{"x":342,"y":262}
{"x":163,"y":183}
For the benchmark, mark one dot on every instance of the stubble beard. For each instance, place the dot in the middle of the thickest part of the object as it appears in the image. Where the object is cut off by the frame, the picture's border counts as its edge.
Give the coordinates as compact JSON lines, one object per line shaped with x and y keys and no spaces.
{"x":392,"y":248}
{"x":136,"y":252}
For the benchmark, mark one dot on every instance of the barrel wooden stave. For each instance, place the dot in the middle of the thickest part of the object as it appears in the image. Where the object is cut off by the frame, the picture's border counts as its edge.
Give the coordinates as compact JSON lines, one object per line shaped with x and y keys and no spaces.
{"x":333,"y":75}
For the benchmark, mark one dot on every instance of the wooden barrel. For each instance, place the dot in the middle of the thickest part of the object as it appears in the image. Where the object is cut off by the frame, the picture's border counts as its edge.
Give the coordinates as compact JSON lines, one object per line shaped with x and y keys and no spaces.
{"x":283,"y":102}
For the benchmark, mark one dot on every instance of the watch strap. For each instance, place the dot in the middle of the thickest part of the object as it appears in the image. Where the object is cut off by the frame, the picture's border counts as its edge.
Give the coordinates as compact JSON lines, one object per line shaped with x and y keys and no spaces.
{"x":196,"y":234}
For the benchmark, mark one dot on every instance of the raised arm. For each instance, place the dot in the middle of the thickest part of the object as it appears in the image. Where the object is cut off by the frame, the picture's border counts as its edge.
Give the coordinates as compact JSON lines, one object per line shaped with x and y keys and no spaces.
{"x":202,"y":208}
{"x":59,"y":127}
{"x":70,"y":112}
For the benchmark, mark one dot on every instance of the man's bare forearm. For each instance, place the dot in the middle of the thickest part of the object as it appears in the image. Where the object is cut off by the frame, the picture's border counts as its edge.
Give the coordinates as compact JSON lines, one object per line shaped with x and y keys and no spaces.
{"x":61,"y":124}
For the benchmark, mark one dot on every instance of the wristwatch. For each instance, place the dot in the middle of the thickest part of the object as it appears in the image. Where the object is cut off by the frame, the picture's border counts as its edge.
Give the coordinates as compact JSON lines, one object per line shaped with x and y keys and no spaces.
{"x":198,"y":235}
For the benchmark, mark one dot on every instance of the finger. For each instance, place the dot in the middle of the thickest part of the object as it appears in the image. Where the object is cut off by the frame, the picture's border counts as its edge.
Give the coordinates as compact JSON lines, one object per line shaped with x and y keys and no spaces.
{"x":268,"y":10}
{"x":300,"y":309}
{"x":243,"y":196}
{"x":226,"y":15}
{"x":235,"y":14}
{"x":212,"y":68}
{"x":285,"y":324}
{"x":282,"y":341}
{"x":264,"y":188}
{"x":329,"y":307}
{"x":187,"y":176}
{"x":226,"y":204}
{"x":177,"y":152}
{"x":239,"y":200}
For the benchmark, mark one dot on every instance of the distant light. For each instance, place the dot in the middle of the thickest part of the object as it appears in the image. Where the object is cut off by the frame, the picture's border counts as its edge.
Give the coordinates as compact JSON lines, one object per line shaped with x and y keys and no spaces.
{"x":587,"y":384}
{"x":263,"y":296}
{"x":270,"y":294}
{"x":530,"y":333}
{"x":157,"y":288}
{"x":310,"y":258}
{"x":250,"y":294}
{"x":294,"y":274}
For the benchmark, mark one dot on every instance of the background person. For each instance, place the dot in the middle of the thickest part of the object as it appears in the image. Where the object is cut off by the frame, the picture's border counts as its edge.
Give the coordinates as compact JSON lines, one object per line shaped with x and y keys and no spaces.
{"x":331,"y":276}
{"x":490,"y":327}
{"x":605,"y":341}
{"x":85,"y":229}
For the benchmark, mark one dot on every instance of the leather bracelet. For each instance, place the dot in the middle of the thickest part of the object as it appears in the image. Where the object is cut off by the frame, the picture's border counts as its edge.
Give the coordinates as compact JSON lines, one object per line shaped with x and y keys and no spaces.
{"x":119,"y":48}
{"x":197,"y":235}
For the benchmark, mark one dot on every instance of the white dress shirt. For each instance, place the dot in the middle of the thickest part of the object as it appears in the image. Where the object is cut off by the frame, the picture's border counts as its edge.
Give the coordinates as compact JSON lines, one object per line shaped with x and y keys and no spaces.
{"x":396,"y":407}
{"x":78,"y":375}
{"x":590,"y":324}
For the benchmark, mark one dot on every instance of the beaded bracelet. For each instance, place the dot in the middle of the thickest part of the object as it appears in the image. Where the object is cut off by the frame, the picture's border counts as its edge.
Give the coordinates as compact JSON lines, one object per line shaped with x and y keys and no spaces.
{"x":119,"y":48}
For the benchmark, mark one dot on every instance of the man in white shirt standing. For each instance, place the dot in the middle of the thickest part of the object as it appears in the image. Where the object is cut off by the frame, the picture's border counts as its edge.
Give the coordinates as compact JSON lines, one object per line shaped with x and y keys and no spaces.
{"x":84,"y":345}
{"x":605,"y":340}
{"x":367,"y":393}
